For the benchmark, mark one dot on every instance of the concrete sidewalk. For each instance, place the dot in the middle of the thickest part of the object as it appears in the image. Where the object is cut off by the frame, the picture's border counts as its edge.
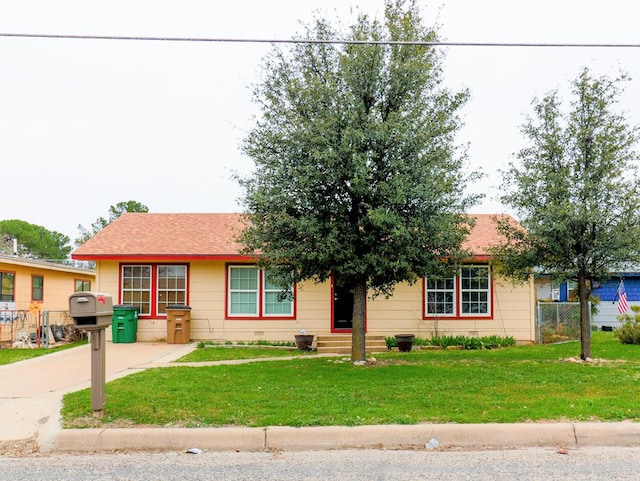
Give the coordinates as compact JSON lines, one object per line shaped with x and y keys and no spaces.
{"x":31,"y":399}
{"x":31,"y":391}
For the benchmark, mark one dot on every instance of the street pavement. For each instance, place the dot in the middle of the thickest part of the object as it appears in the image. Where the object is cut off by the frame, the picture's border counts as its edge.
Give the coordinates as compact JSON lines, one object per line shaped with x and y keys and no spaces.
{"x":31,"y":398}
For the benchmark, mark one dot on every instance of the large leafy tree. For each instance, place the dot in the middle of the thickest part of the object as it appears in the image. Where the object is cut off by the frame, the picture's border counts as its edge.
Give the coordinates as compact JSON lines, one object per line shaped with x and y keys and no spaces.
{"x":576,"y":191}
{"x":357,"y":176}
{"x":115,"y":211}
{"x":33,"y":241}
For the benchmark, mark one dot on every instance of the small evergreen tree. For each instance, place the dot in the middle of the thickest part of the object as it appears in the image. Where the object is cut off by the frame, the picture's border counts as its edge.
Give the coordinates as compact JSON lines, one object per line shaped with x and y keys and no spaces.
{"x":576,"y":192}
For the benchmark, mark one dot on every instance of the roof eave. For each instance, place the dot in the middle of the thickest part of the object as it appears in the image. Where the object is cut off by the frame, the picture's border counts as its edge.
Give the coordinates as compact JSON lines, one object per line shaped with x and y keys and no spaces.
{"x":164,"y":257}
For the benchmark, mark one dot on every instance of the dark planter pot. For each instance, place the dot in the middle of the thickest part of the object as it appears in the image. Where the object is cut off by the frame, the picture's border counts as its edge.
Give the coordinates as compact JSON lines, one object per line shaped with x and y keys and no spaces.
{"x":304,"y":342}
{"x":405,"y":342}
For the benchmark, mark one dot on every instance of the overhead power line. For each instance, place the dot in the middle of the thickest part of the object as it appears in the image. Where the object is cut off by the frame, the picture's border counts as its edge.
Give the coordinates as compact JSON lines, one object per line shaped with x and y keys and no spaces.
{"x":312,"y":41}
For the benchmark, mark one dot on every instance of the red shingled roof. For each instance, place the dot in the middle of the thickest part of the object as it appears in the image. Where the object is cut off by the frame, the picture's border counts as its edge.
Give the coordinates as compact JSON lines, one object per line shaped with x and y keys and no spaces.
{"x":146,"y":235}
{"x":484,"y":233}
{"x":183,"y":236}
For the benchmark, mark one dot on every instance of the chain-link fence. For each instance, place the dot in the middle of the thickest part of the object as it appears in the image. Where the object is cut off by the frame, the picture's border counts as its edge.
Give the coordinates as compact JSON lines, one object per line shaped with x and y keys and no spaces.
{"x":26,"y":329}
{"x":559,"y":321}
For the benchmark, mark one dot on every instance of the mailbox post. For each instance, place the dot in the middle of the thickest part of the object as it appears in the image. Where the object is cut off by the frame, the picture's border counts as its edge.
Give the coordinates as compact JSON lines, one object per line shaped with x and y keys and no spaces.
{"x":93,"y":311}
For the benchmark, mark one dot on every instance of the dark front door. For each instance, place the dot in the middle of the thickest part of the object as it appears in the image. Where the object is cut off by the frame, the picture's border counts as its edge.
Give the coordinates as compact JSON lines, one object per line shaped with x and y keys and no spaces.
{"x":342,"y":308}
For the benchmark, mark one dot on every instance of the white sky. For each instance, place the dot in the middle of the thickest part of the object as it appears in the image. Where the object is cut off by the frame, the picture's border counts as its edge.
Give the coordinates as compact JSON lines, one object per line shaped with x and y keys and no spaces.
{"x":85,"y":124}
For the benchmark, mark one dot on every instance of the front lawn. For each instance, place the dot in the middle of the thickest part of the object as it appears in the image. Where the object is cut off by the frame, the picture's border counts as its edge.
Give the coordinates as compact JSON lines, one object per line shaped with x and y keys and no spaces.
{"x":10,"y":355}
{"x":221,"y":352}
{"x":518,"y":384}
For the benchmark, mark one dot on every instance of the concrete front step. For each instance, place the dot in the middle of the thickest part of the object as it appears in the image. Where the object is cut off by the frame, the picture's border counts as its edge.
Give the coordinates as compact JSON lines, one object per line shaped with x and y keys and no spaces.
{"x":347,"y":350}
{"x":341,"y":344}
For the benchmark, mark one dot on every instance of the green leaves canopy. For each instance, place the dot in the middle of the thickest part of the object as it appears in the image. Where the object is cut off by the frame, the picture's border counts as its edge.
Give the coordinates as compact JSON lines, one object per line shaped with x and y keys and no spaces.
{"x":114,"y":212}
{"x":575,"y":187}
{"x":356,"y":171}
{"x":576,"y":191}
{"x":34,"y":241}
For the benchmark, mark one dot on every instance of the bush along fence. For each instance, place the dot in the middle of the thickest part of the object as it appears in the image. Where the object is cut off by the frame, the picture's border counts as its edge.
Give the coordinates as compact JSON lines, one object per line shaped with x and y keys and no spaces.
{"x":629,"y":330}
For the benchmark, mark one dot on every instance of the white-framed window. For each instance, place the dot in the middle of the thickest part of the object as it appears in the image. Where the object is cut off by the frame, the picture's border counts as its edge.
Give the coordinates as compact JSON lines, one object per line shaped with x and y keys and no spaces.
{"x":275,"y":302}
{"x":243,"y":291}
{"x":136,"y":288}
{"x":151,"y":288}
{"x":475,"y":292}
{"x":171,"y":286}
{"x":251,"y":293}
{"x":468,"y":294}
{"x":440,"y":297}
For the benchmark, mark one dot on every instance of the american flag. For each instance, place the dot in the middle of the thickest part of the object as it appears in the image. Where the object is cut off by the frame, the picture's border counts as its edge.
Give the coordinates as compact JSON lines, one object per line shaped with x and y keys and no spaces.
{"x":623,"y":304}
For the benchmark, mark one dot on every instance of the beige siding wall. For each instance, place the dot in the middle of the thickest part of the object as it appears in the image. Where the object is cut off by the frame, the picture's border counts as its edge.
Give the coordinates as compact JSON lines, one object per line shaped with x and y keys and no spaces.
{"x":107,"y":279}
{"x":513,"y":306}
{"x":107,"y":283}
{"x":207,"y":299}
{"x":513,"y":311}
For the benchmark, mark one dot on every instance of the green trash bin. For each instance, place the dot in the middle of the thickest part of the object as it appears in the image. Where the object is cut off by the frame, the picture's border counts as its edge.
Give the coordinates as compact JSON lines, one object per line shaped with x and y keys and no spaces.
{"x":124,"y":325}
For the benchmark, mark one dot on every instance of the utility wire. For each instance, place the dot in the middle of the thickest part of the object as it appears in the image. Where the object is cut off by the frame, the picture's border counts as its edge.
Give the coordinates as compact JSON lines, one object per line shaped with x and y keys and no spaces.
{"x":311,"y":41}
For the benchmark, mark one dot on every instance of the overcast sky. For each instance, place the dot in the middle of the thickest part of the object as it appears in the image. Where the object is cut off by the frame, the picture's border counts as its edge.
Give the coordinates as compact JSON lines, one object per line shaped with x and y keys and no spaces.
{"x":85,"y":124}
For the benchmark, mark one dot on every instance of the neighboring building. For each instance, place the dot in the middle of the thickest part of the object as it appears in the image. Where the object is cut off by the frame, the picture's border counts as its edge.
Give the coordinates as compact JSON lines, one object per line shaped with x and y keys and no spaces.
{"x":34,"y":293}
{"x":26,"y":283}
{"x":154,"y":260}
{"x":606,"y":293}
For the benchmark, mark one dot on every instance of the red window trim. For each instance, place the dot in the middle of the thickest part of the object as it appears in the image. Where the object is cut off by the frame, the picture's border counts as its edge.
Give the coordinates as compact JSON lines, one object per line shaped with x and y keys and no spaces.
{"x":41,"y":277}
{"x":15,"y":283}
{"x":458,"y":316}
{"x":260,"y":316}
{"x":154,"y":284}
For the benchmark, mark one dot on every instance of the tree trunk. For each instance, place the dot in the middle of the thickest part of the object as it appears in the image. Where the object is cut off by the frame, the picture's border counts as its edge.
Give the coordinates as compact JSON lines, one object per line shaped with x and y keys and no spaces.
{"x":358,"y":342}
{"x":585,"y":324}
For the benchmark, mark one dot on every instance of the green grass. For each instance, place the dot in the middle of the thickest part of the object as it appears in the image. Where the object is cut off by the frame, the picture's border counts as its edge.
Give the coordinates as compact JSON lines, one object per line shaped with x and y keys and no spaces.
{"x":9,"y":356}
{"x":518,"y":384}
{"x":226,"y":352}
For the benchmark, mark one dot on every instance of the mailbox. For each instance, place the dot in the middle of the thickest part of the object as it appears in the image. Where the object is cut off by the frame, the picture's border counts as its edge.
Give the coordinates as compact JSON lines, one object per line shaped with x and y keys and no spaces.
{"x":91,"y":310}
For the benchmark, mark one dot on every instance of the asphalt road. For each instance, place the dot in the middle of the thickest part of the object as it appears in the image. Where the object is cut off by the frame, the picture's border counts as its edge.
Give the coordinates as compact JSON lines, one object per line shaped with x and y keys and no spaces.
{"x":353,"y":465}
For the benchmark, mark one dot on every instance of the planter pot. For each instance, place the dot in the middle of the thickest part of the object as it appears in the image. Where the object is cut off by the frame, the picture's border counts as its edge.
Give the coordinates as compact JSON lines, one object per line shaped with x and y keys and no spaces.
{"x":405,"y":342}
{"x":304,"y":342}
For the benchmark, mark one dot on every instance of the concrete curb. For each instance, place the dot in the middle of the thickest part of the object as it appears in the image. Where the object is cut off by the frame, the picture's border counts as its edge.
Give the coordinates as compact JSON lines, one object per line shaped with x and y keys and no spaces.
{"x":623,"y":434}
{"x":449,"y":436}
{"x":160,"y":439}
